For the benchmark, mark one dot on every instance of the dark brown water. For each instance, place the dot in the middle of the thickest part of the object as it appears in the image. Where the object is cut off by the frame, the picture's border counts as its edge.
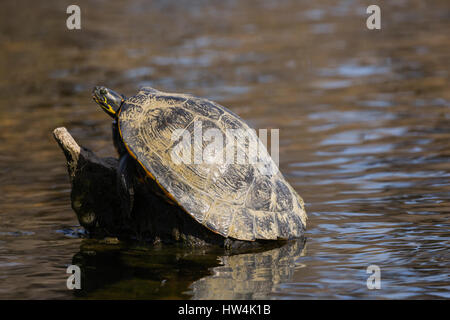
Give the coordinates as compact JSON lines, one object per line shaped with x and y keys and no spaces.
{"x":364,"y":119}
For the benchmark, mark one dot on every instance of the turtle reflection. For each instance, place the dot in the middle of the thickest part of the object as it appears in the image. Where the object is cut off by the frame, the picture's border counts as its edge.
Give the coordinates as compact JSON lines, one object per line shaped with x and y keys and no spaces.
{"x":122,"y":272}
{"x":250,"y":276}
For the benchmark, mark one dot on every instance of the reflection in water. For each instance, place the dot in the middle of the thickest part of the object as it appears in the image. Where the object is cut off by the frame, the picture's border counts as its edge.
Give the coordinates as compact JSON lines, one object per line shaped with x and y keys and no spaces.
{"x":120,"y":272}
{"x":251,"y":275}
{"x":117,"y":272}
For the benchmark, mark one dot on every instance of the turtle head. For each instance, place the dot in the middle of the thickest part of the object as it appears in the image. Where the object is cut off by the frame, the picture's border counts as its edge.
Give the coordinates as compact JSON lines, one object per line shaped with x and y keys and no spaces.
{"x":108,"y":99}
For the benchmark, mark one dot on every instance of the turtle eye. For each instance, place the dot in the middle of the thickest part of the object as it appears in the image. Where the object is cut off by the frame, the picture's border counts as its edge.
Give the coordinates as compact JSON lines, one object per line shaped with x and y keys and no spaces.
{"x":103,"y":91}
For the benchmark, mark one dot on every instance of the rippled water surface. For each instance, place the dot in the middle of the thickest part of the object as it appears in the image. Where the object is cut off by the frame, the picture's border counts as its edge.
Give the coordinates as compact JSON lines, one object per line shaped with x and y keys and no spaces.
{"x":364,"y":119}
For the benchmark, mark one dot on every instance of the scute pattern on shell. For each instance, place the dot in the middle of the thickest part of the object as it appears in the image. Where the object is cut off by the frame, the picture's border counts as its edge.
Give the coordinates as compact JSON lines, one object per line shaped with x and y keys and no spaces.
{"x":234,"y":200}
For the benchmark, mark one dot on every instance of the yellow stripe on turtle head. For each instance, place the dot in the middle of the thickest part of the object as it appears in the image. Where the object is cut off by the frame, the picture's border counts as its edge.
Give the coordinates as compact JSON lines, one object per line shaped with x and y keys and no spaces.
{"x":107,"y":107}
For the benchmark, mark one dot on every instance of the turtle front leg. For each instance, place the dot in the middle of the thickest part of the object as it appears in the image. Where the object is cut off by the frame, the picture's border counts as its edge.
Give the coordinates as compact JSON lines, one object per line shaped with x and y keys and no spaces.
{"x":125,"y":183}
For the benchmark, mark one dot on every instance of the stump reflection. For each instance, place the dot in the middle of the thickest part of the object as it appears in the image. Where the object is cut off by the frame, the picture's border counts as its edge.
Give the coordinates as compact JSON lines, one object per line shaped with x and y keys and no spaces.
{"x":131,"y":272}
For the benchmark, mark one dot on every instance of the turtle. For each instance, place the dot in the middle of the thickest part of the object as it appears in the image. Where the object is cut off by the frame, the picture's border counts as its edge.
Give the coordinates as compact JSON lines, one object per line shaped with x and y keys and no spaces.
{"x":242,"y":200}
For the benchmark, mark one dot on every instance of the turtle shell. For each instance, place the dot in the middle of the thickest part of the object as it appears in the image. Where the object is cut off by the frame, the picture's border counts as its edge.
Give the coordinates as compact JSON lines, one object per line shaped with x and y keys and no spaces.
{"x":241,"y":199}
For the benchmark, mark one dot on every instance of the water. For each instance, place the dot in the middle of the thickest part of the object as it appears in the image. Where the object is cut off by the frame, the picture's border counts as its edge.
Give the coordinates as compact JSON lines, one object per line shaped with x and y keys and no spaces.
{"x":364,"y":119}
